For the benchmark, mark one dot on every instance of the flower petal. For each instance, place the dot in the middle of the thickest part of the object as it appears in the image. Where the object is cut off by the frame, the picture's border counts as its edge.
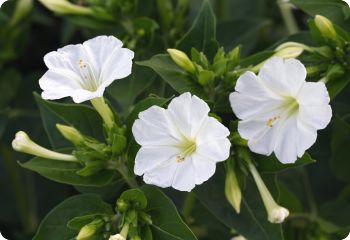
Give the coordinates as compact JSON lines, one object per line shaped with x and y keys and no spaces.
{"x":315,"y":117}
{"x":217,"y":150}
{"x":188,"y":113}
{"x":211,"y":130}
{"x":313,"y":93}
{"x":204,"y":168}
{"x":161,"y":176}
{"x":149,"y":158}
{"x":154,"y":128}
{"x":285,"y":78}
{"x":286,"y":147}
{"x":184,"y":178}
{"x":109,"y":60}
{"x":261,"y":138}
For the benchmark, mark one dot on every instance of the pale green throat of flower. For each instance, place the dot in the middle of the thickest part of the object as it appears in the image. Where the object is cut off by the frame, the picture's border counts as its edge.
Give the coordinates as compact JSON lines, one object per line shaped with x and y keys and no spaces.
{"x":290,"y":107}
{"x":88,"y":74}
{"x":187,"y":147}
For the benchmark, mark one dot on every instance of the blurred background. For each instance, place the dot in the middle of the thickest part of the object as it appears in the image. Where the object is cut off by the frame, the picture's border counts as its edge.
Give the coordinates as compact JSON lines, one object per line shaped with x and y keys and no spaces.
{"x":29,"y":30}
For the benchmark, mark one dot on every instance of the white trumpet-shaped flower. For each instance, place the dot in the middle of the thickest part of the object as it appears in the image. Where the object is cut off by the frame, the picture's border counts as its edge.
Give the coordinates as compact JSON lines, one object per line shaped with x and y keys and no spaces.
{"x":116,"y":237}
{"x":83,"y":71}
{"x":279,"y":111}
{"x":180,"y":145}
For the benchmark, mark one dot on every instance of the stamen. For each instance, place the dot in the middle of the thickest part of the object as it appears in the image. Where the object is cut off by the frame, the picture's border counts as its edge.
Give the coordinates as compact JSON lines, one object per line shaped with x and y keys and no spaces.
{"x":271,"y":121}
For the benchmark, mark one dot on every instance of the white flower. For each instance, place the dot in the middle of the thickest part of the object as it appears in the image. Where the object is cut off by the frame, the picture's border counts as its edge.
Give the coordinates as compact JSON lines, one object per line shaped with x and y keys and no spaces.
{"x":347,"y":2}
{"x":240,"y":237}
{"x":83,"y":71}
{"x":2,"y":2}
{"x":1,"y":237}
{"x":280,"y":112}
{"x":347,"y":238}
{"x":116,"y":237}
{"x":180,"y":145}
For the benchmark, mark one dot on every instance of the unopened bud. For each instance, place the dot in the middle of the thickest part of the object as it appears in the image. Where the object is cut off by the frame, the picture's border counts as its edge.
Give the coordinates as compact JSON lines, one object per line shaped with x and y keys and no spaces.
{"x":240,"y":237}
{"x":116,"y":237}
{"x":326,"y":27}
{"x":275,"y":213}
{"x":90,"y":229}
{"x":71,"y":134}
{"x":22,"y":143}
{"x":290,"y":50}
{"x":66,"y":7}
{"x":232,"y":190}
{"x":122,"y":206}
{"x":278,"y":214}
{"x":182,"y":60}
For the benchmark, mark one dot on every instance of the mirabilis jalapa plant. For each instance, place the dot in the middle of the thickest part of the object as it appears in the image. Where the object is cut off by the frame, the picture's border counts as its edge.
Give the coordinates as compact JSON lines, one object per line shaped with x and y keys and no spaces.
{"x":179,"y":142}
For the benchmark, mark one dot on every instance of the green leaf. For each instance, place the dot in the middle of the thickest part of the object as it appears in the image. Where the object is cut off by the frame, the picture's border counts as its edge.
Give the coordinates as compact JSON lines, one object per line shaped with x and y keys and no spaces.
{"x":82,"y":117}
{"x":65,"y":172}
{"x":136,"y":83}
{"x":252,"y":221}
{"x":340,"y":145}
{"x":332,"y":9}
{"x":337,"y":85}
{"x":176,"y":77}
{"x":243,"y":32}
{"x":166,"y":221}
{"x":270,"y":164}
{"x":135,"y":197}
{"x":54,"y":225}
{"x":202,"y":31}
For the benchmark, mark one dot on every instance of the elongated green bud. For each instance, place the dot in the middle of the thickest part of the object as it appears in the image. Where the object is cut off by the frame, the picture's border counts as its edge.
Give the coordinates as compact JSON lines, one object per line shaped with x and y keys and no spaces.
{"x":22,"y":143}
{"x":291,"y":50}
{"x":326,"y":27}
{"x":182,"y":60}
{"x":232,"y":190}
{"x":71,"y":134}
{"x":66,"y":7}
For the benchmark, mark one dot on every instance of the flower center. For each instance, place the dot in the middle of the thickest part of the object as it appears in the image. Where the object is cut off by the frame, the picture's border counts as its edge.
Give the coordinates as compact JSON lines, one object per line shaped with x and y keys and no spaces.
{"x":187,"y":147}
{"x":291,"y":106}
{"x":88,"y":75}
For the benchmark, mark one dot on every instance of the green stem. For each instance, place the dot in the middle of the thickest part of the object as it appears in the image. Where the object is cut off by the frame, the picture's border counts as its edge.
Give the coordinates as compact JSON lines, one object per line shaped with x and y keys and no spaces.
{"x":104,"y":110}
{"x":131,"y":181}
{"x":189,"y":203}
{"x":287,"y":14}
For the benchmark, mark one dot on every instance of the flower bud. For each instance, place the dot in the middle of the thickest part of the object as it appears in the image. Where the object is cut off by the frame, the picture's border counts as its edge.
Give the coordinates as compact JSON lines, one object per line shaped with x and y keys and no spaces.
{"x":116,"y":237}
{"x":275,"y":213}
{"x":278,"y":214}
{"x":182,"y":60}
{"x":90,"y":229}
{"x":326,"y":27}
{"x":232,"y":189}
{"x":240,"y":237}
{"x":290,"y":50}
{"x":22,"y":143}
{"x":66,"y":7}
{"x":23,"y":7}
{"x":71,"y":134}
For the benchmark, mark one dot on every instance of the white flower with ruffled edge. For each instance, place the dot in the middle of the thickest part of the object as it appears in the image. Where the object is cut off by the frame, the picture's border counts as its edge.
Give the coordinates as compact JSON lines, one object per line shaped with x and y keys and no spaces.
{"x":279,"y":111}
{"x":180,"y":145}
{"x":83,"y":71}
{"x":2,"y":2}
{"x":347,"y":2}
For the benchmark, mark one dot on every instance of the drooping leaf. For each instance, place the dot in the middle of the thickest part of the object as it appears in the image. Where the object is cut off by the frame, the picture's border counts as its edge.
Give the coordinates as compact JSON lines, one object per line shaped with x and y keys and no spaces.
{"x":65,"y":172}
{"x":166,"y":221}
{"x":202,"y":31}
{"x":340,"y":145}
{"x":176,"y":77}
{"x":82,"y":117}
{"x":54,"y":225}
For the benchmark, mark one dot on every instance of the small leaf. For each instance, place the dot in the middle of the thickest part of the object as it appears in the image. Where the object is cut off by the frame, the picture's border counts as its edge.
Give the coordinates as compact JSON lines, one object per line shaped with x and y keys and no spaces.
{"x":54,"y":225}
